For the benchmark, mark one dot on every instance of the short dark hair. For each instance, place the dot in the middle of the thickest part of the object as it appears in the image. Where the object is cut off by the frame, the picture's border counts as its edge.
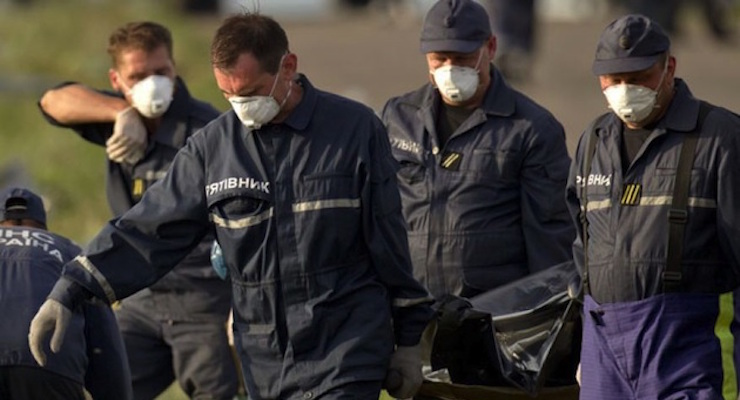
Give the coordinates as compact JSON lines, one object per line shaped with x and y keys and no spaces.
{"x":253,"y":33}
{"x":144,"y":35}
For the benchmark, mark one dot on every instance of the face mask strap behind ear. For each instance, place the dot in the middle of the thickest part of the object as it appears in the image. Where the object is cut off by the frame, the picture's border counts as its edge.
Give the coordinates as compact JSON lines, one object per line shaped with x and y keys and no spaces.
{"x":277,"y":74}
{"x":290,"y":90}
{"x":122,"y":83}
{"x":660,"y":83}
{"x":477,"y":63}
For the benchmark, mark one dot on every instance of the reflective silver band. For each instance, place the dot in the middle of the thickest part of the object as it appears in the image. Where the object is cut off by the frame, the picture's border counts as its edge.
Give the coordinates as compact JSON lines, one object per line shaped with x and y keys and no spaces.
{"x":260,"y":329}
{"x":243,"y":222}
{"x":411,"y":302}
{"x":155,"y":175}
{"x":598,"y":205}
{"x":656,"y":201}
{"x":324,"y":204}
{"x":90,"y":267}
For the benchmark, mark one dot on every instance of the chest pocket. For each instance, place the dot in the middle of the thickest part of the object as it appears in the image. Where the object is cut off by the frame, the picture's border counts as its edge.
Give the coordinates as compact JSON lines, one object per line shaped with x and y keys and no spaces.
{"x":411,"y":172}
{"x":663,"y":178}
{"x":495,"y":165}
{"x":240,"y":209}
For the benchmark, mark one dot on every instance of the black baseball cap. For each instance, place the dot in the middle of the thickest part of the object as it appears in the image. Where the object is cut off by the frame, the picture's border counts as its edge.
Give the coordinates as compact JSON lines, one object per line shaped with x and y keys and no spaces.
{"x":460,"y":26}
{"x":20,"y":203}
{"x":631,"y":43}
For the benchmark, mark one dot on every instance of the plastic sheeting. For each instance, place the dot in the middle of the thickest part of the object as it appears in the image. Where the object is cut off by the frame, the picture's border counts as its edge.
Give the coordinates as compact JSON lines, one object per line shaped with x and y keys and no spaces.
{"x":525,"y":334}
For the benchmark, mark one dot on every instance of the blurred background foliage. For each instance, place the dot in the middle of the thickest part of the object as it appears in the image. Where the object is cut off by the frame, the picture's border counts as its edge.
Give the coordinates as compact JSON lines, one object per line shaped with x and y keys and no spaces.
{"x":48,"y":42}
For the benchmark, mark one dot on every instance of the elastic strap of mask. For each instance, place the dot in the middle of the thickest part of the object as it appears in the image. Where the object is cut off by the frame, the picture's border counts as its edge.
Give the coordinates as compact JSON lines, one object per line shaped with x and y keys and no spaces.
{"x":477,"y":63}
{"x":660,"y":83}
{"x":274,"y":83}
{"x":120,"y":80}
{"x":290,"y":90}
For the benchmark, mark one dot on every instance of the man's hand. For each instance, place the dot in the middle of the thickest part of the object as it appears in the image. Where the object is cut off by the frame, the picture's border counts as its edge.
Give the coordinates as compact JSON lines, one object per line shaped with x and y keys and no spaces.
{"x":129,"y":139}
{"x":404,"y":375}
{"x":52,"y":316}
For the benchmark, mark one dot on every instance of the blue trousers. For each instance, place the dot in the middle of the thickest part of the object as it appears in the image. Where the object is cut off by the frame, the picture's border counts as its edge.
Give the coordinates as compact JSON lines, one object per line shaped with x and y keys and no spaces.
{"x":667,"y":347}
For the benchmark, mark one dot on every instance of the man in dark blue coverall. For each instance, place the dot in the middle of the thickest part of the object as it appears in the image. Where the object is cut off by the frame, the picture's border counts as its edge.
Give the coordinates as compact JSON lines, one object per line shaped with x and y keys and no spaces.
{"x":300,"y":188}
{"x":654,"y":190}
{"x":483,"y":167}
{"x":31,"y":261}
{"x":176,"y":328}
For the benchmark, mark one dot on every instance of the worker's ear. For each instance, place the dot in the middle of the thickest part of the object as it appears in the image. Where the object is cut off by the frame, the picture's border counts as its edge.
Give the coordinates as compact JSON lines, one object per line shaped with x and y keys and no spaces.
{"x":115,"y":81}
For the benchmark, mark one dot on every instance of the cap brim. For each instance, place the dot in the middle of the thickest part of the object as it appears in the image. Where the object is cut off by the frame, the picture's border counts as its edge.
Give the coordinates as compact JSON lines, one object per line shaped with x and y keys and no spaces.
{"x":454,"y":46}
{"x":623,"y":65}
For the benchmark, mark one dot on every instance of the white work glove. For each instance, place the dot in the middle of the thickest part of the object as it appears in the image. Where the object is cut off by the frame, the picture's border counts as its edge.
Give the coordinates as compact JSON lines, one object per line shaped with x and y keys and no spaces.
{"x":52,"y":316}
{"x":404,"y":375}
{"x":578,"y":374}
{"x":129,"y":139}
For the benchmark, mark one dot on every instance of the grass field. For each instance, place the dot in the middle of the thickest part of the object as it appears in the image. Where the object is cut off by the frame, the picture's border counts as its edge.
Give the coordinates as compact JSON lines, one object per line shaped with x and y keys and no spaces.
{"x":52,"y":42}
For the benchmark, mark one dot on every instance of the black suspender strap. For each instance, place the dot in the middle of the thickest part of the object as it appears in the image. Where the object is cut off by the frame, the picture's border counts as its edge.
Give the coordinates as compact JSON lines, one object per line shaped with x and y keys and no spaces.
{"x":586,"y":171}
{"x":678,"y":213}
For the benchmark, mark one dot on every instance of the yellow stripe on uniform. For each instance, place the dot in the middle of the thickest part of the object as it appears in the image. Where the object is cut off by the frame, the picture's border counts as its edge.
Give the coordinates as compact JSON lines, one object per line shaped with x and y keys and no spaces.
{"x":727,"y":346}
{"x":450,"y":160}
{"x":138,"y":187}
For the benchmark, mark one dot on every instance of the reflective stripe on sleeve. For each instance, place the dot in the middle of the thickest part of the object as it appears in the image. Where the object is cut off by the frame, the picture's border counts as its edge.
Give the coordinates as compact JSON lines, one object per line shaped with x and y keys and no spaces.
{"x":398,"y":302}
{"x":242,"y":222}
{"x":93,"y":270}
{"x":260,"y":329}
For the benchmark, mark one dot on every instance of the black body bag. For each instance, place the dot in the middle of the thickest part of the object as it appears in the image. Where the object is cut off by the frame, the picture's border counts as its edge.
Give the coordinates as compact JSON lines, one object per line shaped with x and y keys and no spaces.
{"x":526,"y":334}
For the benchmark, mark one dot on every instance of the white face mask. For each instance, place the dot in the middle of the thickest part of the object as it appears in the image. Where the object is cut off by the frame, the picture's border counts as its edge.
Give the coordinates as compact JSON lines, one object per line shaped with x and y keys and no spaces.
{"x":457,"y":83}
{"x":255,"y":111}
{"x":151,"y":96}
{"x":633,"y":103}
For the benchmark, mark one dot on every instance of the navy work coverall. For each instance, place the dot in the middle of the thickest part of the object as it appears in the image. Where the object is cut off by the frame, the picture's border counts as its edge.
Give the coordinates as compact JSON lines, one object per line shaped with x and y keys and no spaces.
{"x":174,"y":328}
{"x":639,"y":341}
{"x":93,"y":353}
{"x":307,"y":213}
{"x":496,"y":213}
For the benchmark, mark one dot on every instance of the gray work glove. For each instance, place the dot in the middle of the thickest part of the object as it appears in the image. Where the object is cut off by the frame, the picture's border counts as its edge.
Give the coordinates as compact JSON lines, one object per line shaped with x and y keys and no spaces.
{"x":52,"y":316}
{"x":129,"y":139}
{"x":404,"y":375}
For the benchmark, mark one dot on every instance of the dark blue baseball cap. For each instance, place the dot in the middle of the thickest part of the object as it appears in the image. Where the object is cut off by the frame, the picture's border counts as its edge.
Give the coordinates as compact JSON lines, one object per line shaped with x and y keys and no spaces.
{"x":460,"y":26}
{"x":19,"y":203}
{"x":631,"y":43}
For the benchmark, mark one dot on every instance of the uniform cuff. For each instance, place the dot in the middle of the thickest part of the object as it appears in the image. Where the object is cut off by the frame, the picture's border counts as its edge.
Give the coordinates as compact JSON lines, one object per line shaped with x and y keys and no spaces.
{"x":69,"y":293}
